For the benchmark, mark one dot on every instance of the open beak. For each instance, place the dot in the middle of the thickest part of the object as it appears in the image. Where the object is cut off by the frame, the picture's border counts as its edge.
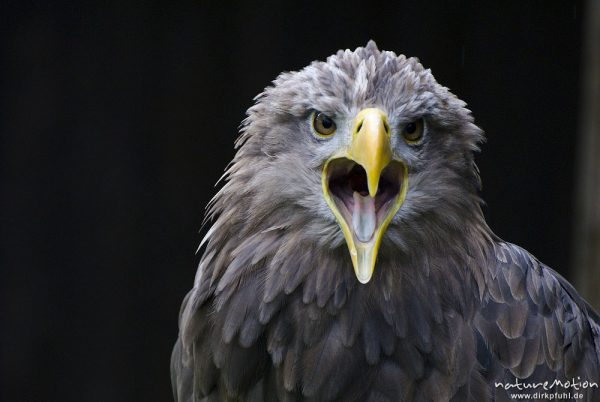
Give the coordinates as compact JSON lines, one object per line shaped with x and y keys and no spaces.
{"x":364,"y":187}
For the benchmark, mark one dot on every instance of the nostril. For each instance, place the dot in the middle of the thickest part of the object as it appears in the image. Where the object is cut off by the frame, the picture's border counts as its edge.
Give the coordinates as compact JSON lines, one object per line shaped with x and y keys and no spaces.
{"x":359,"y":126}
{"x":386,"y":127}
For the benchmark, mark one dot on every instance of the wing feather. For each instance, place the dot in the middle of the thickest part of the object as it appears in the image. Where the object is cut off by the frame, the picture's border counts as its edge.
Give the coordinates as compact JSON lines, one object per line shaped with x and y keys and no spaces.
{"x":534,"y":324}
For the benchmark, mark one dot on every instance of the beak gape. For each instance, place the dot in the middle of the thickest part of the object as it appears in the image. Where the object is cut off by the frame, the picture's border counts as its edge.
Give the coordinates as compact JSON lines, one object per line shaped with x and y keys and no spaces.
{"x":364,"y":187}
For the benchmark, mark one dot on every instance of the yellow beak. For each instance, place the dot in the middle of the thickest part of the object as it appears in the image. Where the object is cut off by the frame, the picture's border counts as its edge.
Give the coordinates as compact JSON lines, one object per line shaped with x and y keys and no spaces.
{"x":364,"y":210}
{"x":371,"y":145}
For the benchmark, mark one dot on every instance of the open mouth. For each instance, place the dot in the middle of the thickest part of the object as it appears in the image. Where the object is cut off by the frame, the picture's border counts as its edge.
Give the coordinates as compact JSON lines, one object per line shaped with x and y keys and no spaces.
{"x":365,"y":215}
{"x":364,"y":185}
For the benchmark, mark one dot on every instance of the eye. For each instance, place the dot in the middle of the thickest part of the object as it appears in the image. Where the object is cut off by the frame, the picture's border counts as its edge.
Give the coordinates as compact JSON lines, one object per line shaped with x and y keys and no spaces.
{"x":323,"y":124}
{"x":413,"y":131}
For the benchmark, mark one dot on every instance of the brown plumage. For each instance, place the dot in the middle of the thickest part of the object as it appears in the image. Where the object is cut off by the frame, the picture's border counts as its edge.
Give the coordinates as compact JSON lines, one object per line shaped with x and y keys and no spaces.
{"x":280,"y":311}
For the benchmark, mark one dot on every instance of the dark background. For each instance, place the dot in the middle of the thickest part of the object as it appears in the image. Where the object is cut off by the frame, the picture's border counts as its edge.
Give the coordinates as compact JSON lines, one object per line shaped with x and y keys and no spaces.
{"x":116,"y":120}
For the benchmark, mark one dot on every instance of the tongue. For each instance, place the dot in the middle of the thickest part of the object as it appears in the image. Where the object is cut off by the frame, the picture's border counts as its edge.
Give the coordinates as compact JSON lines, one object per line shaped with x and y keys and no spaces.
{"x":364,"y":219}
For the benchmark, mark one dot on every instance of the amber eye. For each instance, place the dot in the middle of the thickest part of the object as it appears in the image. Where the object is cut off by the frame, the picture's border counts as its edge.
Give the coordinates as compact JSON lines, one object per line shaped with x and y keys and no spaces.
{"x":323,"y":124}
{"x":413,"y":131}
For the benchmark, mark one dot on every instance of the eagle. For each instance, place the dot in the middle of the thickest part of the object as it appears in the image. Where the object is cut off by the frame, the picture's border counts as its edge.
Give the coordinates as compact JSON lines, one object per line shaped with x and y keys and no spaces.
{"x":349,"y":259}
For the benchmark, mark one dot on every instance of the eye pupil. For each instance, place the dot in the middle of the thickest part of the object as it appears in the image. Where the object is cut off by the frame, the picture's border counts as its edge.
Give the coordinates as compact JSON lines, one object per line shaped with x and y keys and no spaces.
{"x":413,"y":131}
{"x":323,"y":124}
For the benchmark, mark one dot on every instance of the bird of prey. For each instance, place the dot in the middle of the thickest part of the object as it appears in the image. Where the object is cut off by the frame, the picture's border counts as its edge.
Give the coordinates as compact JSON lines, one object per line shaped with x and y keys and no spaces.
{"x":349,"y":259}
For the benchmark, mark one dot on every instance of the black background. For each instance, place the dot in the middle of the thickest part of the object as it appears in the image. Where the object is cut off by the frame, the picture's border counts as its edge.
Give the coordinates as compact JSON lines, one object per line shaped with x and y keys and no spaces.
{"x":118,"y":118}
